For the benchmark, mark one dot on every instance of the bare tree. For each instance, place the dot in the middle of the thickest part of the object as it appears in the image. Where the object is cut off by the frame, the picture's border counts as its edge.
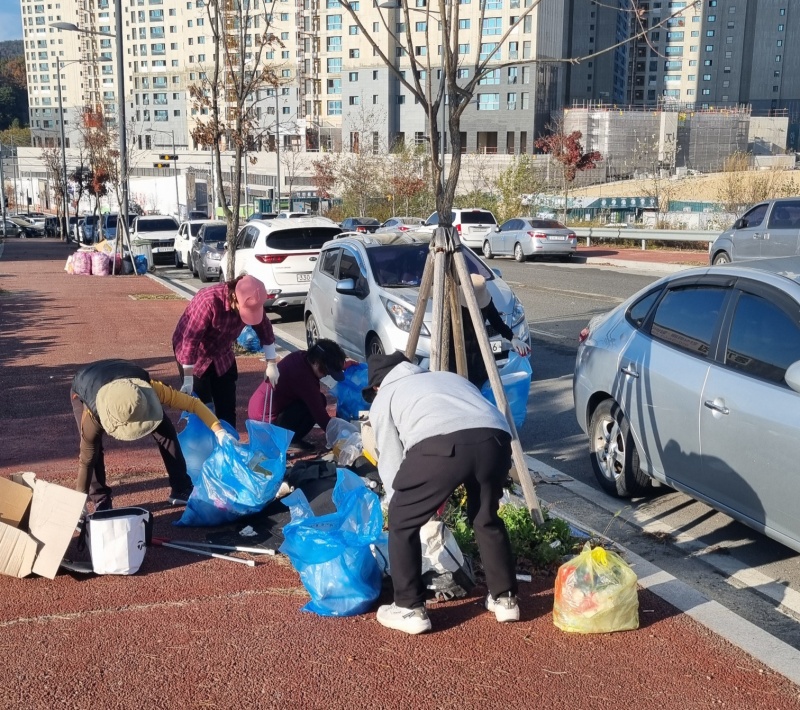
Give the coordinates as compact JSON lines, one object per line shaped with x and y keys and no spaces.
{"x":228,"y":98}
{"x":407,"y":183}
{"x":361,"y":171}
{"x":517,"y":186}
{"x":51,"y":157}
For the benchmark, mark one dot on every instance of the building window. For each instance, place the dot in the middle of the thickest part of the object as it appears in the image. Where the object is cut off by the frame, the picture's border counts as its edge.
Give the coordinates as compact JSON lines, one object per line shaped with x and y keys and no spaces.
{"x":354,"y":100}
{"x":401,"y":99}
{"x":488,"y":102}
{"x":333,"y":22}
{"x":334,"y":65}
{"x":354,"y":54}
{"x":334,"y":108}
{"x":352,"y":30}
{"x":487,"y":48}
{"x":709,"y":48}
{"x":492,"y":26}
{"x":512,"y":101}
{"x":493,"y":77}
{"x":463,"y":24}
{"x":525,"y":96}
{"x":334,"y":44}
{"x":334,"y":86}
{"x":420,"y":26}
{"x":161,"y":115}
{"x":352,"y":76}
{"x":463,"y":48}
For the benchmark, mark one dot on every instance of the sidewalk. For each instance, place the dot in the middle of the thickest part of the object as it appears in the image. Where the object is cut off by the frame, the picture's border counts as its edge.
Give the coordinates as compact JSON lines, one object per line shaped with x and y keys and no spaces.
{"x":662,"y":260}
{"x":195,"y":632}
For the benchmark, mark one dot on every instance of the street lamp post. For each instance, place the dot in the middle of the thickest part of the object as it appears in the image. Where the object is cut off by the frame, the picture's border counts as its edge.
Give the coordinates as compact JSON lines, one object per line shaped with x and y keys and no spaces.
{"x":64,"y":184}
{"x":121,"y":121}
{"x":278,"y":153}
{"x":174,"y":167}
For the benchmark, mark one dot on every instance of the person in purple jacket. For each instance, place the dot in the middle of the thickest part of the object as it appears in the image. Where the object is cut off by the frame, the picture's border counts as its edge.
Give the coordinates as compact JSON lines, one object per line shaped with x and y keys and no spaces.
{"x":297,"y":402}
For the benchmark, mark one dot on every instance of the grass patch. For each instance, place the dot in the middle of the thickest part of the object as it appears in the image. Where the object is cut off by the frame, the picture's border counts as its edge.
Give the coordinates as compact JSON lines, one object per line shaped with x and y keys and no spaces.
{"x":155,"y":297}
{"x":534,"y":548}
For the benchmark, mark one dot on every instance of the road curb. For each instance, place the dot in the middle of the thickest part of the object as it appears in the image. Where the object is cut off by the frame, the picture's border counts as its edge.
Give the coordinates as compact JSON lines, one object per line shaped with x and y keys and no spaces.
{"x":650,"y":266}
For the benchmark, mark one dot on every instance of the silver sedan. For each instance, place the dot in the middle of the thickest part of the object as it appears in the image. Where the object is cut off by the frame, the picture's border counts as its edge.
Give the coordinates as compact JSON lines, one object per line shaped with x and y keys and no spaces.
{"x":400,"y":224}
{"x":693,"y":382}
{"x":526,"y":237}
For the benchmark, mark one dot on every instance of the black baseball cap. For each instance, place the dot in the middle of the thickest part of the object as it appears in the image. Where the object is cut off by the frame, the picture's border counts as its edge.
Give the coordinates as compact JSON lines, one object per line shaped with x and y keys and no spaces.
{"x":378,"y":366}
{"x":331,"y":356}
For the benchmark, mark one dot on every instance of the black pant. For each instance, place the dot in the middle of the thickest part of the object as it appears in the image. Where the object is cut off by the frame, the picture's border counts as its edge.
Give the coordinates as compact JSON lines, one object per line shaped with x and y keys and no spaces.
{"x":430,"y":472}
{"x":91,"y":461}
{"x":297,"y":417}
{"x":218,"y":390}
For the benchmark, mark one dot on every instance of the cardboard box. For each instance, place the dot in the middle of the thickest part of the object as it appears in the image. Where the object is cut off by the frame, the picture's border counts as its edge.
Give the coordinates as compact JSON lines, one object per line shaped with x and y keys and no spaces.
{"x":54,"y":512}
{"x":15,"y":500}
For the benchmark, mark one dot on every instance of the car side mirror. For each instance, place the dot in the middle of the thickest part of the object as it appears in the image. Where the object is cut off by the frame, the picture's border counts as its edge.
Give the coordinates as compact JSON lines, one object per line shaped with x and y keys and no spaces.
{"x":346,"y":286}
{"x":497,"y":273}
{"x":740,"y":223}
{"x":496,"y":229}
{"x":792,"y":376}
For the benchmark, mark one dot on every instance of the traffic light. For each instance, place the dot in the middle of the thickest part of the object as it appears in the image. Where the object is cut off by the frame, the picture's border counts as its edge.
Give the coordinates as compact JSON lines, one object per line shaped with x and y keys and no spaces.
{"x":161,"y":165}
{"x":168,"y":157}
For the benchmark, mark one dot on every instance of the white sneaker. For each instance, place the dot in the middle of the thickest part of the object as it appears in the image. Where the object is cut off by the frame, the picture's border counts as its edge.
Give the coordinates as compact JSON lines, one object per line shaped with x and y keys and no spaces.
{"x":505,"y":608}
{"x":412,"y":621}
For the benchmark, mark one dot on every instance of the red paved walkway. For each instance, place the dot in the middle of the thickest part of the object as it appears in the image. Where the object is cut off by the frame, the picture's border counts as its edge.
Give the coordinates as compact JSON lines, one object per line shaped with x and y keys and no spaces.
{"x":191,"y":632}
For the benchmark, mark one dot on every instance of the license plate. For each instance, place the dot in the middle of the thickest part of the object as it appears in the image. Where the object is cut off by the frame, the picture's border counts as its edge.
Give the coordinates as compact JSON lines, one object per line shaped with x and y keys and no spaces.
{"x":160,"y":250}
{"x":304,"y":277}
{"x":557,"y":238}
{"x":497,"y":346}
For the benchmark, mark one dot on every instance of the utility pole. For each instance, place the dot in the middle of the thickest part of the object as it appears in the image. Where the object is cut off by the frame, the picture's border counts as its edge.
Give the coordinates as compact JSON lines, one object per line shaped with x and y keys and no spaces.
{"x":65,"y":216}
{"x":278,"y":153}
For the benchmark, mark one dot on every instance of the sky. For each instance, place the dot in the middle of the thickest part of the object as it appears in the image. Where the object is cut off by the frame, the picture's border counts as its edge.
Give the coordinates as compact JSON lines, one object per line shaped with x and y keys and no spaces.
{"x":10,"y":20}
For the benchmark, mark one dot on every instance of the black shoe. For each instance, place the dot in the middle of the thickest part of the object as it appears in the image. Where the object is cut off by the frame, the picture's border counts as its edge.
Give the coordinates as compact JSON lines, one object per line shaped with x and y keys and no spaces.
{"x":180,"y":497}
{"x":105,"y":504}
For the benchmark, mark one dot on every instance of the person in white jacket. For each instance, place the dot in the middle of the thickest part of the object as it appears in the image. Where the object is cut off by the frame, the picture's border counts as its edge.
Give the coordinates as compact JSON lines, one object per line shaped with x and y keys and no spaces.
{"x":435,"y":431}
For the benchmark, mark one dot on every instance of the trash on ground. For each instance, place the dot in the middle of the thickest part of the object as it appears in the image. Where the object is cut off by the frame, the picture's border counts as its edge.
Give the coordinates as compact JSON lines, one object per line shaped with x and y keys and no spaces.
{"x":248,"y":531}
{"x":197,"y":442}
{"x":162,"y":542}
{"x":445,"y":570}
{"x":596,"y":593}
{"x":349,"y":401}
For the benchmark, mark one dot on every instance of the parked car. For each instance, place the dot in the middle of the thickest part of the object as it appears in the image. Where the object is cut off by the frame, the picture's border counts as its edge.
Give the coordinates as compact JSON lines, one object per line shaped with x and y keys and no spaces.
{"x":262,"y":215}
{"x":78,"y":233}
{"x":12,"y":229}
{"x":291,"y":215}
{"x":27,"y":228}
{"x":281,"y":254}
{"x":770,"y":229}
{"x":197,"y":215}
{"x":91,"y":231}
{"x":159,"y":232}
{"x":360,"y":224}
{"x":51,"y":225}
{"x":400,"y":224}
{"x":109,"y":223}
{"x":208,"y":248}
{"x":364,"y":289}
{"x":526,"y":237}
{"x":694,"y":382}
{"x":472,"y":224}
{"x":184,"y":240}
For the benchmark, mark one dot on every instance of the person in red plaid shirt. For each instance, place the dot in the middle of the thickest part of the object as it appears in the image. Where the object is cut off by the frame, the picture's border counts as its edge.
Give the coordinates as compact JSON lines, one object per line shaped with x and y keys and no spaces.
{"x":203,"y":341}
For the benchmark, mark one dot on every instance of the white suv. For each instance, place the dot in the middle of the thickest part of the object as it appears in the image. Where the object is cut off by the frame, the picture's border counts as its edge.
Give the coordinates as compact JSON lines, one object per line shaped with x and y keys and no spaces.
{"x":281,"y":254}
{"x":184,"y":240}
{"x":472,"y":224}
{"x":158,"y":231}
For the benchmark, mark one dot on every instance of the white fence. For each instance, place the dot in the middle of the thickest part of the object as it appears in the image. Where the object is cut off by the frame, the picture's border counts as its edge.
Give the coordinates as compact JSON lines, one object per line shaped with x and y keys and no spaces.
{"x":645,"y":235}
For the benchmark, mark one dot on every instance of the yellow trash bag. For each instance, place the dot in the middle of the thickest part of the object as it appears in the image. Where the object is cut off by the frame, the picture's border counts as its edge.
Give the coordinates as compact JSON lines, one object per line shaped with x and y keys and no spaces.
{"x":596,"y":593}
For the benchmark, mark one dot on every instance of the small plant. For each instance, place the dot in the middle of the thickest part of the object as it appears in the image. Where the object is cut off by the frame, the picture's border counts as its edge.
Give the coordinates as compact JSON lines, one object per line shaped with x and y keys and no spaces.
{"x":533,"y":547}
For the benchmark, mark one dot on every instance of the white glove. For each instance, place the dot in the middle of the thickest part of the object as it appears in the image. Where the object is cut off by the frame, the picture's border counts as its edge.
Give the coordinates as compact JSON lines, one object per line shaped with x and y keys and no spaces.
{"x":223,"y":436}
{"x":272,"y":372}
{"x":188,"y":384}
{"x":520,"y":347}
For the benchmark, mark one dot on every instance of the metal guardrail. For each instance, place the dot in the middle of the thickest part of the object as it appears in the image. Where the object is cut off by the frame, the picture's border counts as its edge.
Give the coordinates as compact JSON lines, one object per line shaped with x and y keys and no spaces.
{"x":644,"y":235}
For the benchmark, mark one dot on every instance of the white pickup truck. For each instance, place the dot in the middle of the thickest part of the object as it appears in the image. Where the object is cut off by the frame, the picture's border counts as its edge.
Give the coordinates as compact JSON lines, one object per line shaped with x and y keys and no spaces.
{"x":158,"y":231}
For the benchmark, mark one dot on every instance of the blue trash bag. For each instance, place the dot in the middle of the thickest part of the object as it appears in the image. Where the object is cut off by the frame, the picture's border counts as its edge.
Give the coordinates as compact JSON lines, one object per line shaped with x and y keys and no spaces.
{"x":516,"y":378}
{"x":332,"y":552}
{"x":349,"y":401}
{"x":197,"y":442}
{"x":140,"y":264}
{"x":249,"y":340}
{"x":239,"y":479}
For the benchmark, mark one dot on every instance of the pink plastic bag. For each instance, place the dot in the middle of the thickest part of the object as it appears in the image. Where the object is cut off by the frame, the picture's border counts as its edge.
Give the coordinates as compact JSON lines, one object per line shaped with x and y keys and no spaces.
{"x":101,"y":264}
{"x":82,"y":263}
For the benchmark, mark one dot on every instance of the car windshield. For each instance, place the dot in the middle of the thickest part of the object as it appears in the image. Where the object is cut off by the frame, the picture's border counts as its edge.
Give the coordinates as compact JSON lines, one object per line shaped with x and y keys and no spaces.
{"x":156,"y":225}
{"x":215,"y":233}
{"x":111,"y":221}
{"x":477,"y":217}
{"x":365,"y":220}
{"x":547,"y":224}
{"x":401,"y":265}
{"x":195,"y":229}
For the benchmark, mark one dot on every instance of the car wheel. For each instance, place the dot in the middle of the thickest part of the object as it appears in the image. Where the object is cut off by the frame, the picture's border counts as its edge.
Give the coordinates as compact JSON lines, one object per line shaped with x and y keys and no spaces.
{"x":178,"y":261}
{"x":203,"y":275}
{"x":487,"y":250}
{"x":565,"y":258}
{"x":721,"y":258}
{"x":312,"y":331}
{"x":519,"y":255}
{"x":374,"y":346}
{"x":613,"y":453}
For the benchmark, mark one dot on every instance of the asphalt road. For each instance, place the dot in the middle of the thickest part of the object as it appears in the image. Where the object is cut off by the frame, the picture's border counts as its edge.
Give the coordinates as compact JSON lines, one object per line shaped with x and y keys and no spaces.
{"x":743,"y":570}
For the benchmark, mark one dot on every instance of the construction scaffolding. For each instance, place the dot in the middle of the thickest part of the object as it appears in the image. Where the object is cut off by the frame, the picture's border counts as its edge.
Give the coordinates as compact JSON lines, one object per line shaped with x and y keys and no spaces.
{"x":637,"y":142}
